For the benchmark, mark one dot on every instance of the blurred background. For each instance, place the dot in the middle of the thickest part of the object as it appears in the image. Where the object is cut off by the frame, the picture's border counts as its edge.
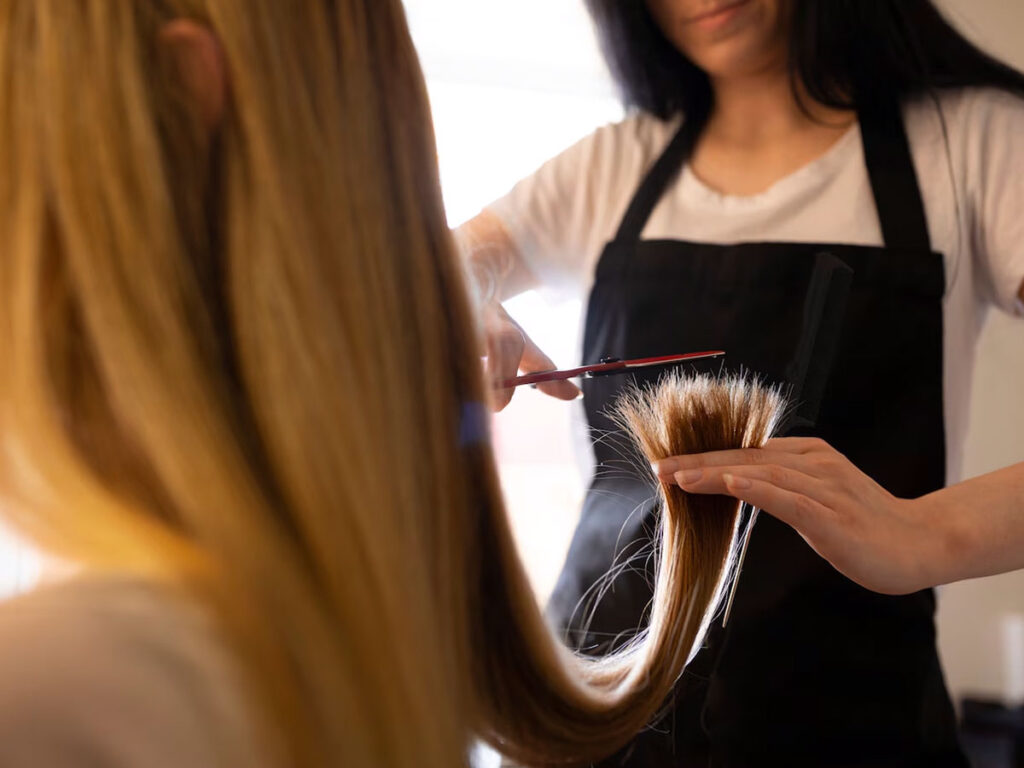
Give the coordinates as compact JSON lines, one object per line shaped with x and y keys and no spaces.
{"x":513,"y":83}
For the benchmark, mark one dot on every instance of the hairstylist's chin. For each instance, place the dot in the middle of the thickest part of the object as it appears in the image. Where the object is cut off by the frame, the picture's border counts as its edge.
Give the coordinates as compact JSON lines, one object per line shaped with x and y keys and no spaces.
{"x":726,"y":38}
{"x":198,"y":58}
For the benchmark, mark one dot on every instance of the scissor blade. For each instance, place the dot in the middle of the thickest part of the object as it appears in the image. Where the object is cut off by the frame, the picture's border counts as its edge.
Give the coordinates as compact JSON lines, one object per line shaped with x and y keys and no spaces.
{"x":604,"y":369}
{"x":648,"y":362}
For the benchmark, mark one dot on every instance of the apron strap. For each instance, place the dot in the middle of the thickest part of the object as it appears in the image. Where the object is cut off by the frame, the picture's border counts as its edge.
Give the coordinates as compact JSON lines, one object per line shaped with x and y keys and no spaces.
{"x":893,"y":178}
{"x":661,"y":174}
{"x":886,"y":154}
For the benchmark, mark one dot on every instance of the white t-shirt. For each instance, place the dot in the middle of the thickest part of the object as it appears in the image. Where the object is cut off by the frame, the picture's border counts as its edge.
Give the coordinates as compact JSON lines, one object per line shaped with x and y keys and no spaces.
{"x":972,"y":185}
{"x":114,"y":672}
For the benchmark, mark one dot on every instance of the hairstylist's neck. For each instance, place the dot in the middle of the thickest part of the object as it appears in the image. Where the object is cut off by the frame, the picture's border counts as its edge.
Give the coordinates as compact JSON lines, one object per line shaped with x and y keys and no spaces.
{"x":761,"y":109}
{"x":759,"y":133}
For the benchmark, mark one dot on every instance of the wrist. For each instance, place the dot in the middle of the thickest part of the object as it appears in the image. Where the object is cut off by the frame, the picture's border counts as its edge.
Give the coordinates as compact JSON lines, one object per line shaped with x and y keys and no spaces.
{"x":488,"y":253}
{"x":946,"y":542}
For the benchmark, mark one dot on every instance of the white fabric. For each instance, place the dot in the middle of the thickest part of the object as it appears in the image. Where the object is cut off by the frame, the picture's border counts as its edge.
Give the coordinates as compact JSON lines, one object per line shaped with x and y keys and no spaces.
{"x":113,"y":672}
{"x":972,"y":184}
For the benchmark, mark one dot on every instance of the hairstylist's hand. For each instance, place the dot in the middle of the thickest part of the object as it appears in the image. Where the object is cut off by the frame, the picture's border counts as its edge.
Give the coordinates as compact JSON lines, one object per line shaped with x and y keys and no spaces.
{"x":509,"y":351}
{"x":879,"y":541}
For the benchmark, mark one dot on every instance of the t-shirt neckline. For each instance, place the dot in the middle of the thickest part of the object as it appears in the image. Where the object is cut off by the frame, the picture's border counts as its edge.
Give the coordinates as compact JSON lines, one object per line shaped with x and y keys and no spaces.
{"x":695,"y":192}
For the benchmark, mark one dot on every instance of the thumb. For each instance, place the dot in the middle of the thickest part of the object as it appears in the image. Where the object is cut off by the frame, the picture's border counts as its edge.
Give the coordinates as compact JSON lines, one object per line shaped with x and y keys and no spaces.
{"x":534,"y":361}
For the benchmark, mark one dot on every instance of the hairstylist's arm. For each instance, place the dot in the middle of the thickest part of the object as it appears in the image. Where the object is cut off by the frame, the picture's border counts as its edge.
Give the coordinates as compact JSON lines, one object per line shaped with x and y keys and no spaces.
{"x":499,"y":273}
{"x":884,"y":543}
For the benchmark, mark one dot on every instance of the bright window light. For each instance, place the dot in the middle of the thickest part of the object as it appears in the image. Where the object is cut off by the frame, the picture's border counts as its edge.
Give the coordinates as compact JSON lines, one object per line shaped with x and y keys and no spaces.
{"x":19,"y":565}
{"x":511,"y":85}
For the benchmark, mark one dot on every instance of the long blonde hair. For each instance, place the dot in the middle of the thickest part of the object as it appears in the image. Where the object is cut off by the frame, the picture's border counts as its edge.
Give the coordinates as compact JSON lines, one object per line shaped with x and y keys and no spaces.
{"x":250,"y":370}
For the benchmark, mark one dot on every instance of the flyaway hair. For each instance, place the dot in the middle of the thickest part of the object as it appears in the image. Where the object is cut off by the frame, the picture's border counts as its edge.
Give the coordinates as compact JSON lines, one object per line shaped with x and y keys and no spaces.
{"x":248,"y":370}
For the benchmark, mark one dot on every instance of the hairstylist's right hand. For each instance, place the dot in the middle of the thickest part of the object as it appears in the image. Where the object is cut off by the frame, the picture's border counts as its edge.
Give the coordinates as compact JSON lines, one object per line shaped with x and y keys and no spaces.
{"x":510,"y":351}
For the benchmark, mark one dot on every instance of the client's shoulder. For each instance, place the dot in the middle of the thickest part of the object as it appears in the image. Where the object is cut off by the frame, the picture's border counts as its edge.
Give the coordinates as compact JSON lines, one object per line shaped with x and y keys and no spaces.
{"x":117,"y":671}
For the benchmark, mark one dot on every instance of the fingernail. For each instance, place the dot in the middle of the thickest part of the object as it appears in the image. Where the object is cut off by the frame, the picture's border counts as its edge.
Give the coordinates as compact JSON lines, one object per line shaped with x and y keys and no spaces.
{"x":665,"y":467}
{"x":689,"y":477}
{"x":732,"y":481}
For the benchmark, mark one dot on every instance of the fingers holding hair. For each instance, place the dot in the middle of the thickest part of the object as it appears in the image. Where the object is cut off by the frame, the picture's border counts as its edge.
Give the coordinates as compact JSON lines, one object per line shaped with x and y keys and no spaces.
{"x":808,"y":516}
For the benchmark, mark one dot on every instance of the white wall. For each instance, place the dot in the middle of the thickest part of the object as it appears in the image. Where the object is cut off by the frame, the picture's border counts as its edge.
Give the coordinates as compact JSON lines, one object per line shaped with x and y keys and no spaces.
{"x":971,"y":614}
{"x":511,"y":85}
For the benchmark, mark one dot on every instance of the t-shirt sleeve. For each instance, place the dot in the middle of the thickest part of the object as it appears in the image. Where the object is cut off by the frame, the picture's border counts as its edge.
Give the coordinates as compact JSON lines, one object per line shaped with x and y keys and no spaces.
{"x":561,"y":216}
{"x":118,"y":677}
{"x":994,"y":159}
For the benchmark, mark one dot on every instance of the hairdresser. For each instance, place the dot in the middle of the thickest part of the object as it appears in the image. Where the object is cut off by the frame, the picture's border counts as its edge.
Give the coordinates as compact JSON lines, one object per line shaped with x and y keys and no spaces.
{"x":762,"y":133}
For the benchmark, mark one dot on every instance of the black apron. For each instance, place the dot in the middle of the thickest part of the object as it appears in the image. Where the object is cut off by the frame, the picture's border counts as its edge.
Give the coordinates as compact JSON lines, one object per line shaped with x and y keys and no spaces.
{"x":812,"y":669}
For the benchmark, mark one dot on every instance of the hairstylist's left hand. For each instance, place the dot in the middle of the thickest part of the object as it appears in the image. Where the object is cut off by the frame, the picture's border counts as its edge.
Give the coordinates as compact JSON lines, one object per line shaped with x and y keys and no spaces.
{"x":877,"y":540}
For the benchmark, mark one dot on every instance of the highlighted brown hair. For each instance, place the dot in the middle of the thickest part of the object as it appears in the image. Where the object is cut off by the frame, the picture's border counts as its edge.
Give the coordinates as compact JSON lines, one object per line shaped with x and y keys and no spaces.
{"x":251,"y":371}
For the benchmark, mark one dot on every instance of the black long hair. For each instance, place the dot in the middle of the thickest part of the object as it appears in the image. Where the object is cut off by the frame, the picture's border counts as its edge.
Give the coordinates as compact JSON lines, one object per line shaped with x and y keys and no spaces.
{"x":848,"y":54}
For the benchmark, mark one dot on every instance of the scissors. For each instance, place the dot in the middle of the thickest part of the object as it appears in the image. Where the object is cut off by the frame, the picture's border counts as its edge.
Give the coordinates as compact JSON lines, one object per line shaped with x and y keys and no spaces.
{"x":607,"y":367}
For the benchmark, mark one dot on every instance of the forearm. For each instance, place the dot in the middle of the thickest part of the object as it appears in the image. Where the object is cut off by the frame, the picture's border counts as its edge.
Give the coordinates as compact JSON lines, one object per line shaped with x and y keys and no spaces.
{"x":978,"y":526}
{"x":492,"y":259}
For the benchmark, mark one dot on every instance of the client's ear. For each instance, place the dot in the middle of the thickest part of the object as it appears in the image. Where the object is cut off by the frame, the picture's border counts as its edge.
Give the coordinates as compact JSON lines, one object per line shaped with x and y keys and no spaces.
{"x":196,"y":53}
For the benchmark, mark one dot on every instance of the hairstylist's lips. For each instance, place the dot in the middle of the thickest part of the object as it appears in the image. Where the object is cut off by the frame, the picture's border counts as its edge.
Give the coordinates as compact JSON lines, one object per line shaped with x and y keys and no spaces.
{"x":719,"y":15}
